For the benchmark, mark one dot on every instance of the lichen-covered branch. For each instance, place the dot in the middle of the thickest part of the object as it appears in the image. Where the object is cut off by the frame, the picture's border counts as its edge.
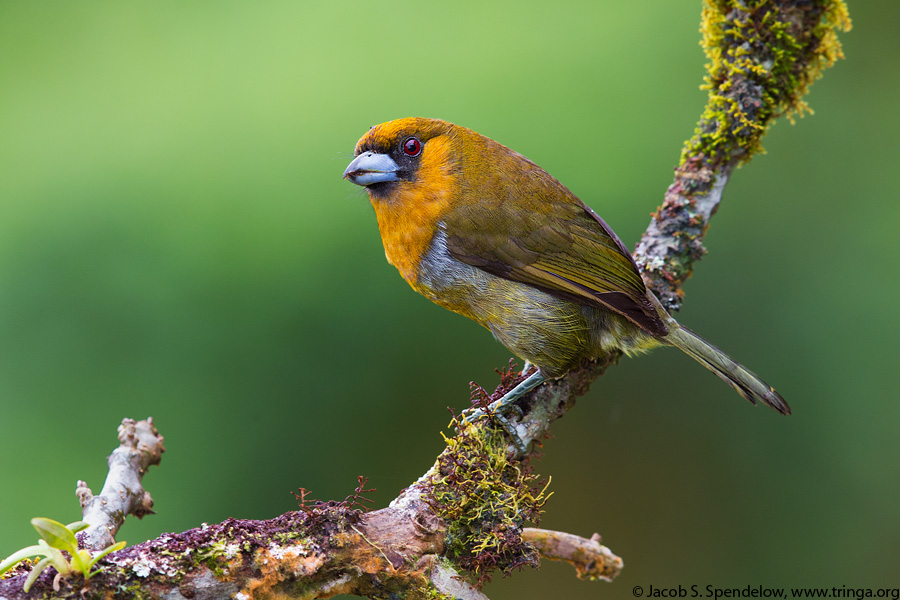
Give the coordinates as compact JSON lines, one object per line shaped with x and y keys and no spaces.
{"x":467,"y":516}
{"x":140,"y":446}
{"x":319,"y":552}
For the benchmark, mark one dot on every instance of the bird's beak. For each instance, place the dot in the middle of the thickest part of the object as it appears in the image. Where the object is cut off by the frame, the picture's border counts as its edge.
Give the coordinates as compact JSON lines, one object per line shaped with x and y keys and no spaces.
{"x":369,"y":168}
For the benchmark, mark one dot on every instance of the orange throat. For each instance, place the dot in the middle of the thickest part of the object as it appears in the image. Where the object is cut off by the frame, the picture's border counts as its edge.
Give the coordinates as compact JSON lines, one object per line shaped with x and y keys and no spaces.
{"x":407,"y":232}
{"x":409,"y":218}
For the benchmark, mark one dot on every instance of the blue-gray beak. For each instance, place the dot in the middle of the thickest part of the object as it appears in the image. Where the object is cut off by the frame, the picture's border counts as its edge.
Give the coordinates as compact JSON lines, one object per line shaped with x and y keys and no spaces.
{"x":369,"y":168}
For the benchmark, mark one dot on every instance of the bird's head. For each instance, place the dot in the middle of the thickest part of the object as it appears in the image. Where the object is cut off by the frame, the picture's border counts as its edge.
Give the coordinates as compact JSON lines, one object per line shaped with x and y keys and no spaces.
{"x":406,"y":155}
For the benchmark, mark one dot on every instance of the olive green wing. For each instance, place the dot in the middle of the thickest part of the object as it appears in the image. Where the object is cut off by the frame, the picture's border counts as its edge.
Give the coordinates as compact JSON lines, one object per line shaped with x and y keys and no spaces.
{"x":565,"y":249}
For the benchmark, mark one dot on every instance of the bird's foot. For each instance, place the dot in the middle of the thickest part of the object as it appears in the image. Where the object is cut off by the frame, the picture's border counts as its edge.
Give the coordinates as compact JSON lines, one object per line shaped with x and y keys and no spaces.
{"x":505,"y":406}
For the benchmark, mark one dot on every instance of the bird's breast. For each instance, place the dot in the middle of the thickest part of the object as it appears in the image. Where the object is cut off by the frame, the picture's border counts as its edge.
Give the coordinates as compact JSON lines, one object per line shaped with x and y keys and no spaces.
{"x":449,"y":282}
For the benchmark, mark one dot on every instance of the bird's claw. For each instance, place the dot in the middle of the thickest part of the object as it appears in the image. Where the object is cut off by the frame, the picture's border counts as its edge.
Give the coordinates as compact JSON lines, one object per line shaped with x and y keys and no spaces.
{"x":505,"y":407}
{"x":510,"y":429}
{"x":473,"y":414}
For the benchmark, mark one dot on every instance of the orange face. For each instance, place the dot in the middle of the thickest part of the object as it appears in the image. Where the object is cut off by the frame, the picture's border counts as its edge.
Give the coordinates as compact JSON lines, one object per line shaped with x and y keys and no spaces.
{"x":407,"y":167}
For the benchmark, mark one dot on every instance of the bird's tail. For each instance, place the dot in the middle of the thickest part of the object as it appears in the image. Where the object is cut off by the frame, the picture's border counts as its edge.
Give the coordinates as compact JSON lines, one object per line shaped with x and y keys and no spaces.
{"x":744,"y":382}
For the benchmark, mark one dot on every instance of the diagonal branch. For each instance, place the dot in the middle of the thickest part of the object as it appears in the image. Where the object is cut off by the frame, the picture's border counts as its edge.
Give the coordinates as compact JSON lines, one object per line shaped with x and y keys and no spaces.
{"x":763,"y":57}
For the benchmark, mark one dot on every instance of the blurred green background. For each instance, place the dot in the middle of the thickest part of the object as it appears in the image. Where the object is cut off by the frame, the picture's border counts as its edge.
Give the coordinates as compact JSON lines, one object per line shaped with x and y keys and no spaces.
{"x":176,"y":241}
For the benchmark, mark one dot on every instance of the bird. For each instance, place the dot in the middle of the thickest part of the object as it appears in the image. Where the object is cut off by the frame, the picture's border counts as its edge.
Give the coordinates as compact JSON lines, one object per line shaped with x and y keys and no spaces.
{"x":483,"y":231}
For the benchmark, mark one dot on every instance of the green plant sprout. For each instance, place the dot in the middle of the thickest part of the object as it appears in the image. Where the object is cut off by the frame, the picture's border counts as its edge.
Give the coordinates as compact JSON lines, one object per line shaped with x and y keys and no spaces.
{"x":57,"y":537}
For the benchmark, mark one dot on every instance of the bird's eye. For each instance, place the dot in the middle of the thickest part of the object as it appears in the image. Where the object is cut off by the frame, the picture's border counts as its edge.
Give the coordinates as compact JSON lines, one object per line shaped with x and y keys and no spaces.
{"x":411,"y":146}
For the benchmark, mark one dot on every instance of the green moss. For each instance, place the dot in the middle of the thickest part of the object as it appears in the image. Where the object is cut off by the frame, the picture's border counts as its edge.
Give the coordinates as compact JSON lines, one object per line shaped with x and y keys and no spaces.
{"x":486,"y":497}
{"x":763,"y":56}
{"x":136,"y":591}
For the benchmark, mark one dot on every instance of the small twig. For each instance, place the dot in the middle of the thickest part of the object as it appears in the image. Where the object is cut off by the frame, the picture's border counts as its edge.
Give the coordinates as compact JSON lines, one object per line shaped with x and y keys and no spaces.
{"x":140,"y":446}
{"x":591,"y":559}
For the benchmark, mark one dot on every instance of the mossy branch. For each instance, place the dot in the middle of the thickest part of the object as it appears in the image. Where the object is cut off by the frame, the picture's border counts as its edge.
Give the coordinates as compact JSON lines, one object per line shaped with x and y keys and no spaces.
{"x":439,"y":538}
{"x":467,"y":514}
{"x":763,"y":57}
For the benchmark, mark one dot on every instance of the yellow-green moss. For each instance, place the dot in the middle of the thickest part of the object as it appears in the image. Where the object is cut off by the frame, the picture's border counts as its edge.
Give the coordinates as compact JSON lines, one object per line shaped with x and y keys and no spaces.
{"x":763,"y":56}
{"x":485,"y":496}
